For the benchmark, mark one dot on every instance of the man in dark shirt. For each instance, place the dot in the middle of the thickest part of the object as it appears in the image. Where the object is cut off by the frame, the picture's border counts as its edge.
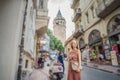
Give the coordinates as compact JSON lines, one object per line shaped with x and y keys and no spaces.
{"x":60,"y":59}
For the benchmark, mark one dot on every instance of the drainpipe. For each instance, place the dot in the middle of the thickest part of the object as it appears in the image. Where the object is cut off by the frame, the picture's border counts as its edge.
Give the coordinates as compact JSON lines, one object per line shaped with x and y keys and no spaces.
{"x":21,"y":46}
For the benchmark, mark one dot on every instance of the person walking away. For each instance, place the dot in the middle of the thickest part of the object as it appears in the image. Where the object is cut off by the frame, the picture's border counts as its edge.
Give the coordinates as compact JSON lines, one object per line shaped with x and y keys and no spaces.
{"x":74,"y":56}
{"x":60,"y":59}
{"x":41,"y":62}
{"x":87,"y":52}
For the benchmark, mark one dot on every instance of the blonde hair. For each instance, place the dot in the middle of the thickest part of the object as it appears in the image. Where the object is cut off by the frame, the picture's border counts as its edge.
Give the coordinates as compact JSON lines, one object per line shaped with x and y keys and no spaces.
{"x":74,"y":41}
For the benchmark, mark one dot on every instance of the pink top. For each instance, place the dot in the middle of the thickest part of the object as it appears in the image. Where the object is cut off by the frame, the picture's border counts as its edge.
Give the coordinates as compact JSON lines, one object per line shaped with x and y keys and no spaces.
{"x":74,"y":56}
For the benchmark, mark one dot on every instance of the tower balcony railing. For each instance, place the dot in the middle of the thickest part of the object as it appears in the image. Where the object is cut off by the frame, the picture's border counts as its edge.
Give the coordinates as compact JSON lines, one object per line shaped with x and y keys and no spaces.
{"x":105,"y":7}
{"x":77,"y":14}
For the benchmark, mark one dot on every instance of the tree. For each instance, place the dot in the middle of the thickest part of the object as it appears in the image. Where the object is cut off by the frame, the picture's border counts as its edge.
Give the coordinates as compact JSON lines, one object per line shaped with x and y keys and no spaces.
{"x":55,"y":44}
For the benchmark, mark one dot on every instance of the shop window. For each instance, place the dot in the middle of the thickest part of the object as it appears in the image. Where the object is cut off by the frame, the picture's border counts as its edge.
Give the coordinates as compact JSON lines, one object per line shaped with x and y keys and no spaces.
{"x":26,"y":64}
{"x":94,"y":35}
{"x":114,"y":24}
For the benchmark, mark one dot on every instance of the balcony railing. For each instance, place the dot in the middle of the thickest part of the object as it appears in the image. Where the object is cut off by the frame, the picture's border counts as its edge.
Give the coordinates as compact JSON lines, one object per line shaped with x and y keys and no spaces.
{"x":105,"y":7}
{"x":77,"y":14}
{"x":78,"y":32}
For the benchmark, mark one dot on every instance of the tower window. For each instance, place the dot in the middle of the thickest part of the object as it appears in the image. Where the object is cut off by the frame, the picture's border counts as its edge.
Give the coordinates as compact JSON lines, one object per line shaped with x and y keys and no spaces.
{"x":41,"y":2}
{"x":61,"y":22}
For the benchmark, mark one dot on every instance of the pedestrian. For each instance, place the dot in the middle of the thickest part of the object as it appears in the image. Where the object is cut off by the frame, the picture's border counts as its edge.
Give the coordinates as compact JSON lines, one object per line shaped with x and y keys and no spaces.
{"x":83,"y":55}
{"x":74,"y":71}
{"x":41,"y":61}
{"x":60,"y":59}
{"x":101,"y":57}
{"x":87,"y":53}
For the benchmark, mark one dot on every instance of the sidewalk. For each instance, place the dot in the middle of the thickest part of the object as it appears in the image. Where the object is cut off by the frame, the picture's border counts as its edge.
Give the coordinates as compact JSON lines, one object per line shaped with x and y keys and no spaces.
{"x":107,"y":68}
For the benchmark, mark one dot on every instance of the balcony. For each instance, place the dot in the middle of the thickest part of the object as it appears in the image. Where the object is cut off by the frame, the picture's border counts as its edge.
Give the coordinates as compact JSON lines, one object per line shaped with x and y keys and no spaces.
{"x":77,"y":14}
{"x":105,"y":7}
{"x":78,"y":32}
{"x":74,"y":2}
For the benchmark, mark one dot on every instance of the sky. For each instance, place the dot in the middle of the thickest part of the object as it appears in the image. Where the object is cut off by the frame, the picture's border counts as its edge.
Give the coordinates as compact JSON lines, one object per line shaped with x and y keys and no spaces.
{"x":67,"y":13}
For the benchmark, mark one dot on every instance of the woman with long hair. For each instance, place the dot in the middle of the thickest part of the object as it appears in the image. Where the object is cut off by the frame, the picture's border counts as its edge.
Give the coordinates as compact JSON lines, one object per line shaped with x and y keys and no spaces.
{"x":74,"y":56}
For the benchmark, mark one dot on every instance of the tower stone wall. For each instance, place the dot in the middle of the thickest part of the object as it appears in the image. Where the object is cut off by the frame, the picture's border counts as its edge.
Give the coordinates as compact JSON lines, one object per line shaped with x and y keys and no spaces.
{"x":59,"y":26}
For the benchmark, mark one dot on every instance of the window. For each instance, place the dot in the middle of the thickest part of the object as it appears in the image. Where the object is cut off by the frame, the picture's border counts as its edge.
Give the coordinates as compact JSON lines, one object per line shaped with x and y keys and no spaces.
{"x":114,"y":24}
{"x":26,"y":63}
{"x":87,"y":18}
{"x":32,"y":65}
{"x":94,"y":35}
{"x":63,"y":22}
{"x":57,"y":22}
{"x":41,"y":4}
{"x":60,"y":22}
{"x":92,"y":10}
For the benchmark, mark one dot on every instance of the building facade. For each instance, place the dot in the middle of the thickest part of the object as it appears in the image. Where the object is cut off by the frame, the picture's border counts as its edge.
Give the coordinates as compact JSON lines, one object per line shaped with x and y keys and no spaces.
{"x":42,"y":21}
{"x":29,"y":54}
{"x":12,"y":29}
{"x":99,"y":25}
{"x":45,"y":47}
{"x":21,"y":28}
{"x":59,"y":26}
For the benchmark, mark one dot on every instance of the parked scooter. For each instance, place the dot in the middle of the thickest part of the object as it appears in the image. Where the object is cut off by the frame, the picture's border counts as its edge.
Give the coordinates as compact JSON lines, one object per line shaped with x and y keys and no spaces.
{"x":56,"y":71}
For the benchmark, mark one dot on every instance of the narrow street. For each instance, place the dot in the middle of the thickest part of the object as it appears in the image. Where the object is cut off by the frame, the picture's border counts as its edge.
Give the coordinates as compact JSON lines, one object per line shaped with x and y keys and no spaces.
{"x":94,"y":74}
{"x":38,"y":38}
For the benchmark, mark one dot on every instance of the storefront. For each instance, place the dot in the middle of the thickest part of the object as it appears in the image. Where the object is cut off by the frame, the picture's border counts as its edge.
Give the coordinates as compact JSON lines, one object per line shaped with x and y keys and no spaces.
{"x":113,"y":30}
{"x":96,"y":44}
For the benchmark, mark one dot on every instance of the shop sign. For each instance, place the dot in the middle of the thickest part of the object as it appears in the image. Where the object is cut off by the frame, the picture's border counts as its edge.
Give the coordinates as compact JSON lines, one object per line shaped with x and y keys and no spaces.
{"x":107,"y":54}
{"x":114,"y":58}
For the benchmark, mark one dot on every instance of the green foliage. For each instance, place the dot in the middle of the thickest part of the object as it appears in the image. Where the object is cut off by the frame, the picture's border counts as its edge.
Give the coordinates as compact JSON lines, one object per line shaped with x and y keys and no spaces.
{"x":55,"y":44}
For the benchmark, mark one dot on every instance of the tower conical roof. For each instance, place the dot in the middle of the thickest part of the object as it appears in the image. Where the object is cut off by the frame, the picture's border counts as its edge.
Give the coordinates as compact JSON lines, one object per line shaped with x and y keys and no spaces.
{"x":59,"y":14}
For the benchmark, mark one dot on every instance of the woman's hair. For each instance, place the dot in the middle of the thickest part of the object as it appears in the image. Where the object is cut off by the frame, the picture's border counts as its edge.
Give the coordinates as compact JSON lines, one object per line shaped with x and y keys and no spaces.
{"x":72,"y":44}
